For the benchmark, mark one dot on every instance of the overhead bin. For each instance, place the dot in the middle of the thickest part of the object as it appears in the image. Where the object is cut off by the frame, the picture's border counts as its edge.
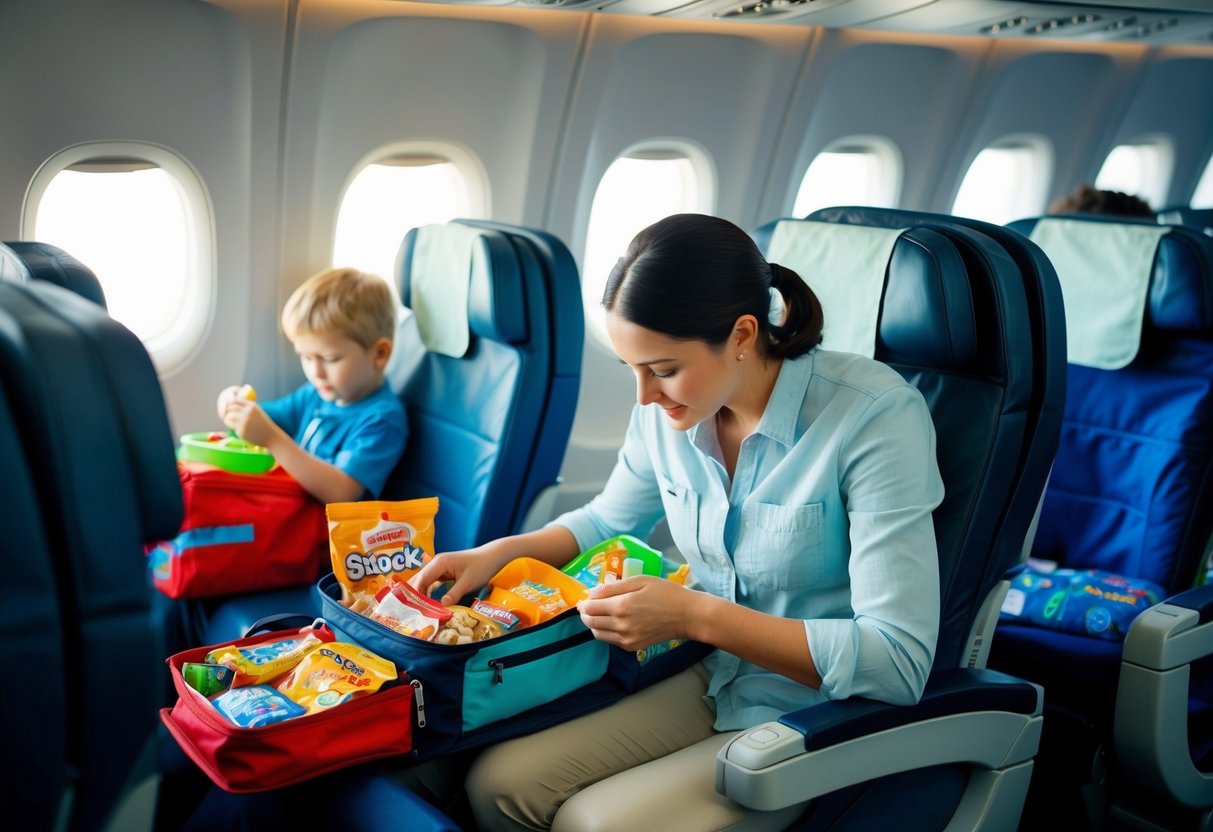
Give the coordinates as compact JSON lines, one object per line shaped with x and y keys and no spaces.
{"x":831,"y":13}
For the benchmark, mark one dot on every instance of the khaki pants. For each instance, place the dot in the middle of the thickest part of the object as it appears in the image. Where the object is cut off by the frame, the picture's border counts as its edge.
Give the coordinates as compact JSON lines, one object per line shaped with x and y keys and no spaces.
{"x":646,"y":762}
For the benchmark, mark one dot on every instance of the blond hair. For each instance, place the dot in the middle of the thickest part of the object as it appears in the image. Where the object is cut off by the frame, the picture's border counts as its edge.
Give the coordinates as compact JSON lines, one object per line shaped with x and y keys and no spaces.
{"x":356,"y":304}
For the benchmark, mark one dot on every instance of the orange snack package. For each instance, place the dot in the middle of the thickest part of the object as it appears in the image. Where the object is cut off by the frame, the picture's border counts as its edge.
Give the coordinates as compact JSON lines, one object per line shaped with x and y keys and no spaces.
{"x":376,"y":543}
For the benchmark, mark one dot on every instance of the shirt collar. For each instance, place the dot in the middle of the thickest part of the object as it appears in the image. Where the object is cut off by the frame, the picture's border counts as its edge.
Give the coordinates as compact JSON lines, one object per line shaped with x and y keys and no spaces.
{"x":782,"y":415}
{"x":781,"y":418}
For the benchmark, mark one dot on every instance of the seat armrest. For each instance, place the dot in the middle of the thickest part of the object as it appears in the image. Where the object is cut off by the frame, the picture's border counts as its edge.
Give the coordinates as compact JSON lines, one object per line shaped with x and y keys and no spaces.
{"x":1151,"y":727}
{"x":978,"y":717}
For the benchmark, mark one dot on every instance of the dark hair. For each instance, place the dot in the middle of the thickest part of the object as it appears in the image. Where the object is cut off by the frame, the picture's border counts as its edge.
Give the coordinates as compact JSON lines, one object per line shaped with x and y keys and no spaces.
{"x":1087,"y":200}
{"x":690,"y":277}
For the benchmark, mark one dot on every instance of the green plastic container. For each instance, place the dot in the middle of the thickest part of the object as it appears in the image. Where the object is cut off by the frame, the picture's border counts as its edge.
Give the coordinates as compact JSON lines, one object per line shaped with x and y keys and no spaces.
{"x":584,"y":569}
{"x":225,"y":451}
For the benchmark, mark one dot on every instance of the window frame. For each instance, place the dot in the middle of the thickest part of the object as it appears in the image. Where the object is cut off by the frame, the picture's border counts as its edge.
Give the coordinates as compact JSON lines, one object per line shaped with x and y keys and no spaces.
{"x":476,"y":196}
{"x":1039,"y":154}
{"x":171,"y":349}
{"x":888,"y":157}
{"x":1157,"y":164}
{"x":703,"y":169}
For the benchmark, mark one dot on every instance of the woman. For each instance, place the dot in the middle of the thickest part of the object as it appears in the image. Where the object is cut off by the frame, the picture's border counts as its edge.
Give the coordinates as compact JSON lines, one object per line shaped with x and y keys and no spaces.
{"x":798,"y":484}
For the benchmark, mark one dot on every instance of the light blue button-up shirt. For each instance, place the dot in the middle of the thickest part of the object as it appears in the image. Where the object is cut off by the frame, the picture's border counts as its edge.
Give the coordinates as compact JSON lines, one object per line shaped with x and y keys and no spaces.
{"x":827,"y":519}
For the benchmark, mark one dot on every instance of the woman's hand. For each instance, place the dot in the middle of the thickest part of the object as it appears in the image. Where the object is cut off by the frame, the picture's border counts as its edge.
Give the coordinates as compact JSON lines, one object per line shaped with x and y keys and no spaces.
{"x":470,"y":569}
{"x":636,"y":613}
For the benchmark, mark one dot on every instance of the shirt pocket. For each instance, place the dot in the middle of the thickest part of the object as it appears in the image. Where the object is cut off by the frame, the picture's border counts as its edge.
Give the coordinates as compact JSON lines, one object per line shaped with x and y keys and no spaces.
{"x":781,"y":547}
{"x":681,"y":506}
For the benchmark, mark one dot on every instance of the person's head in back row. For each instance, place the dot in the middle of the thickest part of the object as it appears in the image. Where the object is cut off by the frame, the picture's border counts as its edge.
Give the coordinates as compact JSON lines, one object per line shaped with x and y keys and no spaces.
{"x":1088,"y":200}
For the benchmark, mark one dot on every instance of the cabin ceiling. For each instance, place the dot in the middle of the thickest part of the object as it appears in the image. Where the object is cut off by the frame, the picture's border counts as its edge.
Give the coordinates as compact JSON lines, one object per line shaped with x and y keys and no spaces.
{"x":1124,"y":21}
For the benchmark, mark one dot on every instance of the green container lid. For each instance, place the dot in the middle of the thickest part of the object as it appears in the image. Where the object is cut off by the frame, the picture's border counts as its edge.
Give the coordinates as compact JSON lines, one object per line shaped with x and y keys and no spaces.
{"x":225,"y":451}
{"x":580,"y":566}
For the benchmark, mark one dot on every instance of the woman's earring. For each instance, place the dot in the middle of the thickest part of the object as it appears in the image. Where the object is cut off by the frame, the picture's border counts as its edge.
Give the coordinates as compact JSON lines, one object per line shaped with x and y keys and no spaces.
{"x":740,"y":356}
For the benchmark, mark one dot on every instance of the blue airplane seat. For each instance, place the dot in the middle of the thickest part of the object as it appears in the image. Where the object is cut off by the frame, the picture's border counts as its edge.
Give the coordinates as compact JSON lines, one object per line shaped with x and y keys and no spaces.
{"x":488,"y":427}
{"x":28,"y":260}
{"x":32,"y":631}
{"x":954,"y":319}
{"x":101,"y":455}
{"x":567,"y":317}
{"x":1129,"y":495}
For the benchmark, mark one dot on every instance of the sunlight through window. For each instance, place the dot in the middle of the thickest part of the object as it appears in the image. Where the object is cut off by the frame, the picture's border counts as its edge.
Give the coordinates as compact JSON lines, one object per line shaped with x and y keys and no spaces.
{"x":1203,"y":196}
{"x":385,"y":200}
{"x":1006,"y":182}
{"x":131,"y":227}
{"x":635,"y":192}
{"x":851,"y":174}
{"x":1141,"y":169}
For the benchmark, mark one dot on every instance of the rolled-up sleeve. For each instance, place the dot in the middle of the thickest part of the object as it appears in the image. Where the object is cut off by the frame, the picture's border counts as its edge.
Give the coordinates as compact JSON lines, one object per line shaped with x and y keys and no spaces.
{"x":890,"y":485}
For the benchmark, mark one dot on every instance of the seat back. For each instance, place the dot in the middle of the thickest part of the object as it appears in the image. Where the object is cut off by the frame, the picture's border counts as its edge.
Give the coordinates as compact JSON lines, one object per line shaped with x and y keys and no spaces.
{"x":955,"y":321}
{"x":26,"y":260}
{"x":566,"y":319}
{"x":106,"y":481}
{"x":488,"y":426}
{"x":32,"y":631}
{"x":1134,"y":473}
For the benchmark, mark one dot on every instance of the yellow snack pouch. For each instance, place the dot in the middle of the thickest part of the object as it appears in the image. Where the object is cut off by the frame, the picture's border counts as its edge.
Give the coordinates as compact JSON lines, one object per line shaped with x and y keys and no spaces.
{"x":376,"y":542}
{"x":333,"y":674}
{"x":255,"y":664}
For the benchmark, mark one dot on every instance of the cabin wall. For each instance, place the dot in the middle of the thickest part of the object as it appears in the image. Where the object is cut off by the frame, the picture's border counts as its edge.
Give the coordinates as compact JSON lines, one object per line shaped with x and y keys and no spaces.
{"x":277,"y":103}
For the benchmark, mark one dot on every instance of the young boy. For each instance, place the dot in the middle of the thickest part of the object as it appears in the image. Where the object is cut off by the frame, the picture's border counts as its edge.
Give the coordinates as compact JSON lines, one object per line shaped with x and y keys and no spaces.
{"x":340,"y":434}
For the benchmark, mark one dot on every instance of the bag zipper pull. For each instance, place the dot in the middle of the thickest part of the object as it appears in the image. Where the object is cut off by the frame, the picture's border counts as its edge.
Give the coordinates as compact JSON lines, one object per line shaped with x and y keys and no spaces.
{"x":419,"y":701}
{"x":498,"y":670}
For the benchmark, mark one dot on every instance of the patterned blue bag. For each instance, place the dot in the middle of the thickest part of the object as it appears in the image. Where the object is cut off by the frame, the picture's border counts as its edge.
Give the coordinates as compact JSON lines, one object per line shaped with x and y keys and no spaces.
{"x":1087,"y":602}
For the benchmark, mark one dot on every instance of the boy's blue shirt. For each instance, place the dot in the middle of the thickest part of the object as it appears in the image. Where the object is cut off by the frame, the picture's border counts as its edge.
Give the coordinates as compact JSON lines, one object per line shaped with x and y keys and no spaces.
{"x":364,"y":439}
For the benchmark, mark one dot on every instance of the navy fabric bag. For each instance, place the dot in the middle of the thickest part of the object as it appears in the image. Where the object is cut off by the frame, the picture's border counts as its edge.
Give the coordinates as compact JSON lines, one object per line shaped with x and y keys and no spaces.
{"x":476,"y":694}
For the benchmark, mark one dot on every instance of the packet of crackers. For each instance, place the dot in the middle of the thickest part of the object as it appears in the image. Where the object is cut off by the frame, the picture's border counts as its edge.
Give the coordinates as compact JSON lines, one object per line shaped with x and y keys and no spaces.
{"x":377,"y":543}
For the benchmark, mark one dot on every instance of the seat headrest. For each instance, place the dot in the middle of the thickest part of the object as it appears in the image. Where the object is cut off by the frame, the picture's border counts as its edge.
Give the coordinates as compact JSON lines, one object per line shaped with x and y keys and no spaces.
{"x":1199,"y":218}
{"x":461,"y":280}
{"x":925,"y":312}
{"x":25,"y":261}
{"x":1180,"y":295}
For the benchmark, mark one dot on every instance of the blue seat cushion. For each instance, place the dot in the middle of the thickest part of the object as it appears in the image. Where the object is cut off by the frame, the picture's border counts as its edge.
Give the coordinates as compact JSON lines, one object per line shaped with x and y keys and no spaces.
{"x":1073,"y":669}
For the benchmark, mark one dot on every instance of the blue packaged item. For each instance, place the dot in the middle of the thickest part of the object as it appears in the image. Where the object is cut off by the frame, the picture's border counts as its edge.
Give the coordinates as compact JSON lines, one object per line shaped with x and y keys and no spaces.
{"x":256,"y":705}
{"x":1086,"y":602}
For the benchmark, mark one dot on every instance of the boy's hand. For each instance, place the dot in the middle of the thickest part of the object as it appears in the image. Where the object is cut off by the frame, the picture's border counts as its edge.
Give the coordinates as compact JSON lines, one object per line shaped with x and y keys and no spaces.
{"x":226,"y":395}
{"x":248,"y":420}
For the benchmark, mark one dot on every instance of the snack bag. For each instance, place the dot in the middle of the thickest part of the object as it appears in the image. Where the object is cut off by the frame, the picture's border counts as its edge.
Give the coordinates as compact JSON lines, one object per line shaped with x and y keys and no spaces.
{"x":256,"y":705}
{"x":408,"y":612}
{"x":376,"y":543}
{"x":333,"y":674}
{"x":254,"y":664}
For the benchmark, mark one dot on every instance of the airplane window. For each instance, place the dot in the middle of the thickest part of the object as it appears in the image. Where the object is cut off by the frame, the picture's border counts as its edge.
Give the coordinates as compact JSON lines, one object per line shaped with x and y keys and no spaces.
{"x":1203,"y":196}
{"x":387,"y":198}
{"x":850,"y":173}
{"x":1142,"y":169}
{"x":1007,"y":181}
{"x":638,"y":189}
{"x":143,"y":226}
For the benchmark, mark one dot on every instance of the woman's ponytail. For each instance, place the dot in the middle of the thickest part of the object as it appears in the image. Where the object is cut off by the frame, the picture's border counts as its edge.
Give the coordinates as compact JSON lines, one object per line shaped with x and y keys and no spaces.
{"x":803,"y":317}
